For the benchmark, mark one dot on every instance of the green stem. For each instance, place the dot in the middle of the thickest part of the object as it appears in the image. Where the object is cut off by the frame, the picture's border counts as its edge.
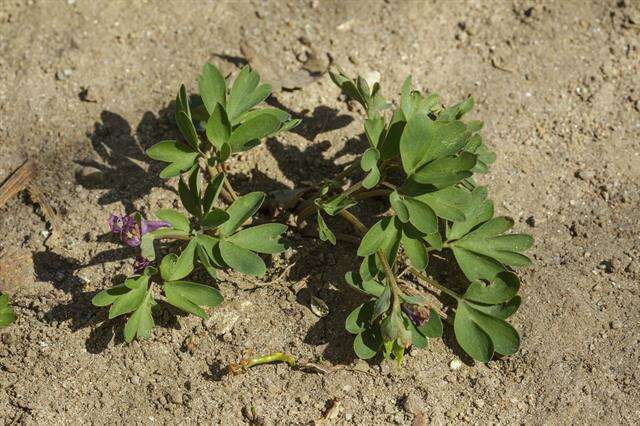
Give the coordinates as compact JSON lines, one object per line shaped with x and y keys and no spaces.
{"x":435,"y":284}
{"x":245,"y":364}
{"x":391,"y":279}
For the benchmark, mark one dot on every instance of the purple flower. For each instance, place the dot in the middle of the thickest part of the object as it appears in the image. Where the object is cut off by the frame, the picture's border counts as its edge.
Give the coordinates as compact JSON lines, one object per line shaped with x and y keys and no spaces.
{"x":418,"y":314}
{"x":131,"y":229}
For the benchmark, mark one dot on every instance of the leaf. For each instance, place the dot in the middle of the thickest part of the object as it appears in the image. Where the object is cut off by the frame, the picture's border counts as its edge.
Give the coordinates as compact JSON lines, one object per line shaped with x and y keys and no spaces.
{"x":502,"y":310}
{"x":424,"y":140}
{"x":127,"y":298}
{"x":488,"y":240}
{"x":214,"y":218}
{"x":190,"y":296}
{"x":210,"y":245}
{"x":205,"y":261}
{"x":383,"y":303}
{"x":7,"y":316}
{"x":218,"y":128}
{"x":141,"y":322}
{"x":212,"y":87}
{"x":502,"y":289}
{"x":471,"y":338}
{"x":399,"y":206}
{"x":241,"y":259}
{"x":476,"y":326}
{"x":279,"y":114}
{"x":448,"y":203}
{"x":182,"y":101}
{"x":324,"y":232}
{"x":241,"y":210}
{"x":174,"y":169}
{"x":389,"y":147}
{"x":370,"y":286}
{"x":171,"y":151}
{"x":185,"y":125}
{"x":446,"y":171}
{"x":417,"y":339}
{"x":480,"y":210}
{"x":190,"y":201}
{"x":414,"y":247}
{"x":212,"y":192}
{"x":374,"y":238}
{"x":359,"y":319}
{"x":421,"y":216}
{"x":252,"y":130}
{"x":476,"y":266}
{"x":369,"y":163}
{"x":175,"y":218}
{"x":175,"y":267}
{"x":367,"y":344}
{"x":373,"y":128}
{"x":265,"y":238}
{"x":245,"y":93}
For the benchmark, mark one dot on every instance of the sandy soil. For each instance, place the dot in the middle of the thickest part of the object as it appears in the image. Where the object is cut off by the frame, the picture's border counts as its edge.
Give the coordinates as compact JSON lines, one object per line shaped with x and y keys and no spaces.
{"x":558,"y":85}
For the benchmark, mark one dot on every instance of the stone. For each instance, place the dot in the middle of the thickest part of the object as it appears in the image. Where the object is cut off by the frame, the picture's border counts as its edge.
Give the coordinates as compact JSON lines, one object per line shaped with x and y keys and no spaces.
{"x":412,"y":404}
{"x":455,"y":364}
{"x":90,"y":175}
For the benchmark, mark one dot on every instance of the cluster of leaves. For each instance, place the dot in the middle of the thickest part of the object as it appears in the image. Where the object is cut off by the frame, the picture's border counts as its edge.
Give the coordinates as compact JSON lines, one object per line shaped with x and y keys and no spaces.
{"x":423,"y":155}
{"x":215,"y":124}
{"x":6,"y":313}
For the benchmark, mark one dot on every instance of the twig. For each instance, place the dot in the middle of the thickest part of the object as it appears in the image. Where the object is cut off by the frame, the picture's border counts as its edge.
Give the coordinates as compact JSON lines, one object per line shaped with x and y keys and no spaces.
{"x":17,"y":181}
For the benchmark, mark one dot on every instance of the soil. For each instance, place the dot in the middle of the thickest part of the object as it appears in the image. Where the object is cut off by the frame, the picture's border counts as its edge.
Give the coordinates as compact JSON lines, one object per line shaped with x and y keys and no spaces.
{"x":87,"y":85}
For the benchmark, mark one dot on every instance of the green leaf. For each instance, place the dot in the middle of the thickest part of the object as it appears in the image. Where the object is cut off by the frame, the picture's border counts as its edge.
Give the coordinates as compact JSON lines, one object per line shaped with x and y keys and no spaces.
{"x":241,"y":210}
{"x":7,"y":316}
{"x":205,"y":261}
{"x":480,"y":210}
{"x":252,"y":130}
{"x":373,"y":128}
{"x":241,"y":259}
{"x":218,"y":128}
{"x":265,"y":238}
{"x":383,"y":303}
{"x":488,"y":240}
{"x":502,"y":310}
{"x":414,"y":247}
{"x":446,"y":171}
{"x":389,"y":146}
{"x":448,"y":203}
{"x":369,"y":163}
{"x":370,"y":286}
{"x":129,"y":300}
{"x":456,"y":111}
{"x":399,"y":206}
{"x":175,"y":218}
{"x":246,"y":93}
{"x":359,"y":319}
{"x":182,"y":101}
{"x":185,"y":125}
{"x":141,"y":322}
{"x":374,"y":238}
{"x":190,"y":296}
{"x":324,"y":232}
{"x":212,"y":192}
{"x":212,"y":87}
{"x":421,"y":216}
{"x":367,"y":344}
{"x":190,"y":201}
{"x":175,"y":267}
{"x":424,"y":140}
{"x":174,"y":169}
{"x":171,"y":151}
{"x":471,"y":338}
{"x":476,"y":326}
{"x":214,"y":218}
{"x":417,"y":339}
{"x":279,"y":114}
{"x":210,"y":245}
{"x":476,"y":266}
{"x":502,"y":289}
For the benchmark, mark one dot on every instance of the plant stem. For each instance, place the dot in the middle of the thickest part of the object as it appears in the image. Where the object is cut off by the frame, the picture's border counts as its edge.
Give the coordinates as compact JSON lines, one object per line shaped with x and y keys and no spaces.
{"x":391,"y":279}
{"x":435,"y":284}
{"x":227,"y":184}
{"x":245,"y":364}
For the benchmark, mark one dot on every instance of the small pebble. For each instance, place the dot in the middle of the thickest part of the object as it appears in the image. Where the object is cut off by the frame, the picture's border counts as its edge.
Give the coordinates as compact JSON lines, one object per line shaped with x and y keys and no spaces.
{"x":455,"y":364}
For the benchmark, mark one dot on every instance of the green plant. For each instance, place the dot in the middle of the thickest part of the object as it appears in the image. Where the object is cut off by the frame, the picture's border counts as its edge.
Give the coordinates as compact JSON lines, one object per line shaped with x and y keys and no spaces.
{"x":6,"y":313}
{"x":222,"y":121}
{"x":422,"y":157}
{"x":420,"y":162}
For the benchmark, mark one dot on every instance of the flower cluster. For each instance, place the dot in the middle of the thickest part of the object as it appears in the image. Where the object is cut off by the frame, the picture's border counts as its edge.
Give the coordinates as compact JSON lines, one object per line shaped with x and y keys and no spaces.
{"x":131,"y":228}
